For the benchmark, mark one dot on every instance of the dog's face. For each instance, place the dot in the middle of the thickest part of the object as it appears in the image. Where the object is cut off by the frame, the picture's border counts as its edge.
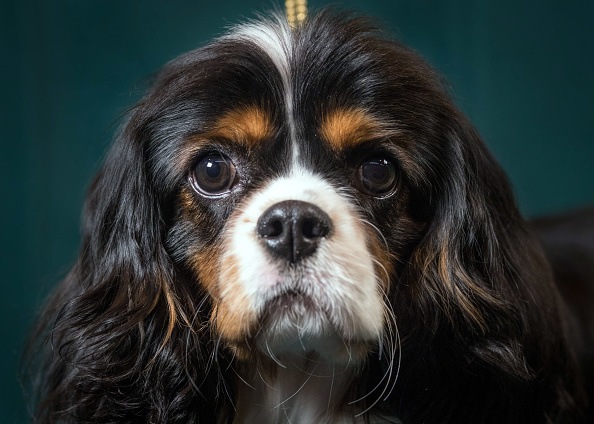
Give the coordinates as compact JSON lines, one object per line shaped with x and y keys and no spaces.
{"x":307,"y":196}
{"x":300,"y":187}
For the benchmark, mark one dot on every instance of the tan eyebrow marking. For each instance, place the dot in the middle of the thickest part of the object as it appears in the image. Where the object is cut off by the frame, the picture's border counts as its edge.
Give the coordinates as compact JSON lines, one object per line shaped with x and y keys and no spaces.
{"x":247,"y":125}
{"x":350,"y":126}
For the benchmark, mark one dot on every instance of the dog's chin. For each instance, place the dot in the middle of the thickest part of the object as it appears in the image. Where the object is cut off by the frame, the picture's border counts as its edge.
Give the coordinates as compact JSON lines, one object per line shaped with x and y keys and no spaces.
{"x":293,"y":326}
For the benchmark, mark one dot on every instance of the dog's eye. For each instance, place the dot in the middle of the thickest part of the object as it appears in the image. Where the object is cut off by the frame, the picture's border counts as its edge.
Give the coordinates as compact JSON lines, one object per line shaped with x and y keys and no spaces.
{"x":214,"y":175}
{"x":376,"y":177}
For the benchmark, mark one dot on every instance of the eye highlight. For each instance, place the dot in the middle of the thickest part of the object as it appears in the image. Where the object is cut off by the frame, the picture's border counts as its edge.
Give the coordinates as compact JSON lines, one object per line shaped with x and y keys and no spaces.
{"x":376,"y":177}
{"x":213,"y":175}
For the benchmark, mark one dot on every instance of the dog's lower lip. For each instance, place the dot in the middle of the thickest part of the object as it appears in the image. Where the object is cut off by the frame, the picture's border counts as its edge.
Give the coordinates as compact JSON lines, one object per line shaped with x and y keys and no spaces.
{"x":291,"y":299}
{"x":293,"y":308}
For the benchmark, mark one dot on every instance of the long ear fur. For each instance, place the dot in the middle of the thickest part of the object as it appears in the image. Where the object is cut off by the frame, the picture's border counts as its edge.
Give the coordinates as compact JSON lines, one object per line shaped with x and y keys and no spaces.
{"x":485,"y":293}
{"x":124,"y":328}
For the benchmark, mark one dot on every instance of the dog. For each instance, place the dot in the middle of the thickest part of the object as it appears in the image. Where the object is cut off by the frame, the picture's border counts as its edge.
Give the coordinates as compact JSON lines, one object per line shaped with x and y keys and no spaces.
{"x":298,"y":225}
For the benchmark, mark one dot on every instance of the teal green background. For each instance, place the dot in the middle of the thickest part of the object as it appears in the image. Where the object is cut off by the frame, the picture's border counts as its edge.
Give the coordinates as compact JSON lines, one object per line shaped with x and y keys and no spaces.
{"x":522,"y":71}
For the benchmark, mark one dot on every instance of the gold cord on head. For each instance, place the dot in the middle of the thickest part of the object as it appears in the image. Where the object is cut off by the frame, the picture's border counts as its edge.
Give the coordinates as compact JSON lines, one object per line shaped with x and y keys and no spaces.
{"x":296,"y":11}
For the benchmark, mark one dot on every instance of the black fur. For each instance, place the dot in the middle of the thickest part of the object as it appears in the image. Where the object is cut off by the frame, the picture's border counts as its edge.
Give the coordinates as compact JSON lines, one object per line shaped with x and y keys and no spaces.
{"x":127,"y":336}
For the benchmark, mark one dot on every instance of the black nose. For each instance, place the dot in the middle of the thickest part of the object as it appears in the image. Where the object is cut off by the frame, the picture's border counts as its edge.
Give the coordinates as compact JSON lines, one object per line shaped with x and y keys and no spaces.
{"x":292,"y":229}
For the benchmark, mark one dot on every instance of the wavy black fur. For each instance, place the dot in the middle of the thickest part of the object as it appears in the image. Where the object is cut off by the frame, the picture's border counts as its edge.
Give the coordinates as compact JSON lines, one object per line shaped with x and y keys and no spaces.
{"x":127,"y":338}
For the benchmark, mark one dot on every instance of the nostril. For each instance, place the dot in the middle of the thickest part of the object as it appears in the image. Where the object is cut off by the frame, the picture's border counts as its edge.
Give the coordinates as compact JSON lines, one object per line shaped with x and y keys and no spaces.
{"x":314,"y":228}
{"x":270,"y":228}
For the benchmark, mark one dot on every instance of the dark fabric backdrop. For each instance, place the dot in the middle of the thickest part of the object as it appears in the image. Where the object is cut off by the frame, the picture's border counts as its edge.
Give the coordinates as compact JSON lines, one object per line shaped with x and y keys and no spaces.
{"x":522,"y":70}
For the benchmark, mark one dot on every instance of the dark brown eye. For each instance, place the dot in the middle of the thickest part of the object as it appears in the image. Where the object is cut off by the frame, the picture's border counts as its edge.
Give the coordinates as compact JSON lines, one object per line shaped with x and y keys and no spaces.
{"x":376,"y":177}
{"x":213,"y":175}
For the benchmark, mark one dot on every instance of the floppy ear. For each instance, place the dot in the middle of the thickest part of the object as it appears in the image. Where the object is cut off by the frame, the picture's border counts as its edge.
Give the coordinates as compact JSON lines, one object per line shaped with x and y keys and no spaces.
{"x":125,"y":332}
{"x":480,"y":274}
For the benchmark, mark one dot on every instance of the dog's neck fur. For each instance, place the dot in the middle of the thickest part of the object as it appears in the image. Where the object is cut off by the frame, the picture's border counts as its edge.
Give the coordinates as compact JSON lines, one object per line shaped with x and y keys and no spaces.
{"x":303,"y":390}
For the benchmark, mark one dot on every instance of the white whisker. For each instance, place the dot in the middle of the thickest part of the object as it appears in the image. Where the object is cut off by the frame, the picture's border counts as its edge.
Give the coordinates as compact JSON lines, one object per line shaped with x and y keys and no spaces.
{"x":274,"y":358}
{"x":264,"y":380}
{"x":243,"y":380}
{"x":388,"y":381}
{"x":296,"y":392}
{"x":383,"y":268}
{"x":377,"y":230}
{"x":330,"y":392}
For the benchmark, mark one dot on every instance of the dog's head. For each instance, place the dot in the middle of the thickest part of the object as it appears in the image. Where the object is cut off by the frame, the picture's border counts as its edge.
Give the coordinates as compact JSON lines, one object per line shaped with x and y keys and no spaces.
{"x":281,"y":192}
{"x":310,"y":171}
{"x":297,"y":185}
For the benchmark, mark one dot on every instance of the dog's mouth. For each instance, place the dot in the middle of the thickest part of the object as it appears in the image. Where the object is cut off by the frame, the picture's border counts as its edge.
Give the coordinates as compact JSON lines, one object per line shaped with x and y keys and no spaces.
{"x":293,"y":313}
{"x":296,"y":324}
{"x":292,"y":303}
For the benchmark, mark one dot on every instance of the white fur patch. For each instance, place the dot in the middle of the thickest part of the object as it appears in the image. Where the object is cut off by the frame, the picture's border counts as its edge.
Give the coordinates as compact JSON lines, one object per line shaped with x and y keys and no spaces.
{"x":275,"y":39}
{"x":339,"y":277}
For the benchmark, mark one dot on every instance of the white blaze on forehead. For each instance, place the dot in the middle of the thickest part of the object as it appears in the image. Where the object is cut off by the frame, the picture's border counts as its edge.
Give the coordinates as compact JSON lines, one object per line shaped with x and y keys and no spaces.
{"x":275,"y":39}
{"x":339,"y":276}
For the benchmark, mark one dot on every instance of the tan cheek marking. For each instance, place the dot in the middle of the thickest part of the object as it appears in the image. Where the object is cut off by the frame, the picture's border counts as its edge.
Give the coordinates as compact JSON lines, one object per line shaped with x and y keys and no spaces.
{"x":348,"y":127}
{"x":187,"y":205}
{"x":234,"y":316}
{"x":206,"y":265}
{"x":248,"y":125}
{"x":205,"y":262}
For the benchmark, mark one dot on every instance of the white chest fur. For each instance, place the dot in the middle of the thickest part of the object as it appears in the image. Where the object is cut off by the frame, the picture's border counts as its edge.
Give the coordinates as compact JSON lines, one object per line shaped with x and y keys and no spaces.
{"x":302,"y":391}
